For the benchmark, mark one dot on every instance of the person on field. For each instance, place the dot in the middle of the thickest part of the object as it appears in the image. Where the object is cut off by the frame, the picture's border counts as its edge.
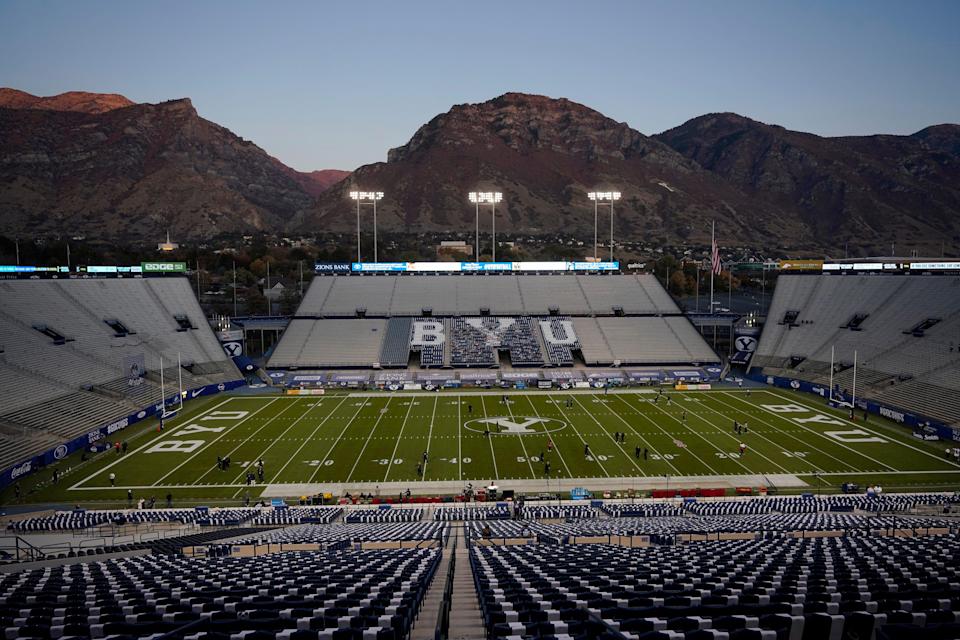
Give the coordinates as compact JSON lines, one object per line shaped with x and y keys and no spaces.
{"x":586,"y":449}
{"x":124,"y":446}
{"x":636,"y":452}
{"x":743,"y":449}
{"x":645,"y":453}
{"x":469,"y":408}
{"x":113,"y":479}
{"x":169,"y":500}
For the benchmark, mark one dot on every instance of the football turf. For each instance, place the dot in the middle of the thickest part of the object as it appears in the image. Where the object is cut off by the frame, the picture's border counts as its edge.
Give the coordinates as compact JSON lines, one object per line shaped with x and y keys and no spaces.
{"x":307,"y":442}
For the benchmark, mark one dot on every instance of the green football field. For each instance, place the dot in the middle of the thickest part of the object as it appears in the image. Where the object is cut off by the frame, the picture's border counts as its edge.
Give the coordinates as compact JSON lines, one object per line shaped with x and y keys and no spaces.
{"x":308,"y":444}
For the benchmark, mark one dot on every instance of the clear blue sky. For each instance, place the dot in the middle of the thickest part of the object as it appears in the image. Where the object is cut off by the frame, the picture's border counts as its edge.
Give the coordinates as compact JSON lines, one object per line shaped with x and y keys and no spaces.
{"x":335,"y":84}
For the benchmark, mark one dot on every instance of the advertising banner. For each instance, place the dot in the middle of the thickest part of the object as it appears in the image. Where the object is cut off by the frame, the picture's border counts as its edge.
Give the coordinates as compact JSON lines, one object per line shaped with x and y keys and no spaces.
{"x":163,"y":267}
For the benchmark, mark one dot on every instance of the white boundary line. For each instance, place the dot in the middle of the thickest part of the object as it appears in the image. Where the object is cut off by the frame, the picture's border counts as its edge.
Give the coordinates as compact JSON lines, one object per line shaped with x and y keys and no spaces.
{"x":785,"y":434}
{"x":522,"y":446}
{"x":817,"y":433}
{"x":433,"y":415}
{"x":146,"y":444}
{"x":459,"y":441}
{"x":876,"y":433}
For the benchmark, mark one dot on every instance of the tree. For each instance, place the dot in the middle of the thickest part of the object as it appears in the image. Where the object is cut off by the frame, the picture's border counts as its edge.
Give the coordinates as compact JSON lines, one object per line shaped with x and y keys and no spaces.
{"x":289,"y":300}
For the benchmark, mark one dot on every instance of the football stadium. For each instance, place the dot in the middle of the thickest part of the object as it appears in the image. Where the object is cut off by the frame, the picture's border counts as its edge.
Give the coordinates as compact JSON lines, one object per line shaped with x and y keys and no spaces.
{"x":619,"y":320}
{"x":472,"y":435}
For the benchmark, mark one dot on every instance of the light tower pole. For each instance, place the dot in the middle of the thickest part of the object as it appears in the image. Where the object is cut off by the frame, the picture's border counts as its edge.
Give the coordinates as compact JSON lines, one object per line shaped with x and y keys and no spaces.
{"x":491,"y":198}
{"x":604,"y":197}
{"x":361,"y":198}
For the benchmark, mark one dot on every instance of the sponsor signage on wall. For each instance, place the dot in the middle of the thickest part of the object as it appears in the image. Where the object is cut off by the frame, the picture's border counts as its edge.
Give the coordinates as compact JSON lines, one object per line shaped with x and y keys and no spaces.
{"x":163,"y":267}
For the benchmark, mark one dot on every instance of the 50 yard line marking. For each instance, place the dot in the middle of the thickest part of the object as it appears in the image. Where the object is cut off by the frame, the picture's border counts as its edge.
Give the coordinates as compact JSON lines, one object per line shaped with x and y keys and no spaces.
{"x":557,"y":448}
{"x":396,"y":444}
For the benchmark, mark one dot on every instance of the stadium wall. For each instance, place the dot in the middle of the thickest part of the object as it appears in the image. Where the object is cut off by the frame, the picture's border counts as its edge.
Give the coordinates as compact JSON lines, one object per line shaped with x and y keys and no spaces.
{"x":898,"y":415}
{"x":37,"y":462}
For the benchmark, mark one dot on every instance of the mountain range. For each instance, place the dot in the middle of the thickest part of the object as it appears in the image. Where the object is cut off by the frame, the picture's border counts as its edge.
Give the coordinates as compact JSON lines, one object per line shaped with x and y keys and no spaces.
{"x":102,"y":166}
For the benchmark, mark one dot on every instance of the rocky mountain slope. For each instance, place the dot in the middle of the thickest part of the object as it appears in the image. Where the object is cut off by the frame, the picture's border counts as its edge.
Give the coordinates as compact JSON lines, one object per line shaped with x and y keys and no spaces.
{"x":71,"y":101}
{"x":545,"y":155}
{"x":865,"y":191}
{"x":135,"y":171}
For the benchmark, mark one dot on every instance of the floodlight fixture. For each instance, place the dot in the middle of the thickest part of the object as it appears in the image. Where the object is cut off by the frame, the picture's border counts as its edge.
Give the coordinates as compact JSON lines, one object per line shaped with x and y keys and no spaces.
{"x":491,"y":198}
{"x":371,"y":198}
{"x":607,"y":198}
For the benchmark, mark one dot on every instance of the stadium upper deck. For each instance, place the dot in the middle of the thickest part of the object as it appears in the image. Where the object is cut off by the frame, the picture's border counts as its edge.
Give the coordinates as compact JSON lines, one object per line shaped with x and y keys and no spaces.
{"x":458,"y":321}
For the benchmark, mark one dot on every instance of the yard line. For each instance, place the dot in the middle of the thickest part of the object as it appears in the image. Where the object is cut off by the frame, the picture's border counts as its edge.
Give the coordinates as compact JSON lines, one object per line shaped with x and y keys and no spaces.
{"x":817,"y":433}
{"x":397,"y":442}
{"x":279,"y":438}
{"x":313,"y":433}
{"x":639,"y":435}
{"x":433,"y":415}
{"x":363,"y":405}
{"x":522,"y":446}
{"x":383,"y":412}
{"x":876,"y":433}
{"x":565,"y":417}
{"x":783,"y":432}
{"x":699,"y":435}
{"x":622,"y":450}
{"x":236,"y":448}
{"x":148,"y":444}
{"x":493,"y":456}
{"x":204,"y":447}
{"x":459,"y":441}
{"x":555,"y":446}
{"x":729,"y":435}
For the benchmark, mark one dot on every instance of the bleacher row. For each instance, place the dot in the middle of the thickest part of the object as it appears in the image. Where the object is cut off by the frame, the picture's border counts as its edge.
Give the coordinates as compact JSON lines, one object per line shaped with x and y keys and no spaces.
{"x":283,"y":515}
{"x":466,"y":295}
{"x":356,"y":595}
{"x":63,"y":354}
{"x":477,"y":341}
{"x":732,"y":590}
{"x":904,"y":328}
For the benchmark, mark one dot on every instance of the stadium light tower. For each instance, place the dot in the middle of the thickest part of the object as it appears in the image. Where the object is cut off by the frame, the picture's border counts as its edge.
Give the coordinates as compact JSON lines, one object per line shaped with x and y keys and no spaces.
{"x":361,"y":198}
{"x":605,"y":197}
{"x":491,"y":198}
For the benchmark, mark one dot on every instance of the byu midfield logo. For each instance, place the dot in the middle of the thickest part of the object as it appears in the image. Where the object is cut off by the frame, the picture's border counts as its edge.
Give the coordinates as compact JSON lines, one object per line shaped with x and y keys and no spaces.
{"x":515,"y":425}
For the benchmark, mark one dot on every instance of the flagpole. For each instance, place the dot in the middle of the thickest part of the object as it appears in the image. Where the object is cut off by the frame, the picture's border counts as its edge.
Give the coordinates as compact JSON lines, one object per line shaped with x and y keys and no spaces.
{"x":713,"y":241}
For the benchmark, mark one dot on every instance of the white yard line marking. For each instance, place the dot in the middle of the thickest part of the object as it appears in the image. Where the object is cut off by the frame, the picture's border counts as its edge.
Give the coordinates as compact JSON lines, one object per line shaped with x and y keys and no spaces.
{"x":310,"y":437}
{"x":702,"y":437}
{"x":396,"y":444}
{"x":493,"y":456}
{"x":279,"y":438}
{"x":148,"y":444}
{"x":651,"y":421}
{"x":335,"y":442}
{"x":433,"y":415}
{"x":610,"y":435}
{"x":782,"y":432}
{"x":555,"y":446}
{"x":817,"y":433}
{"x":869,"y":430}
{"x":735,"y":438}
{"x":383,"y":412}
{"x":250,"y":437}
{"x":522,"y":446}
{"x":570,"y":422}
{"x":205,"y":446}
{"x":459,"y":441}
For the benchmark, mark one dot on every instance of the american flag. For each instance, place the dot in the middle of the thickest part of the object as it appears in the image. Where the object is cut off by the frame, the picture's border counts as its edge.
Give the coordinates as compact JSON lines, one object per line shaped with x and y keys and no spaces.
{"x":715,"y":265}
